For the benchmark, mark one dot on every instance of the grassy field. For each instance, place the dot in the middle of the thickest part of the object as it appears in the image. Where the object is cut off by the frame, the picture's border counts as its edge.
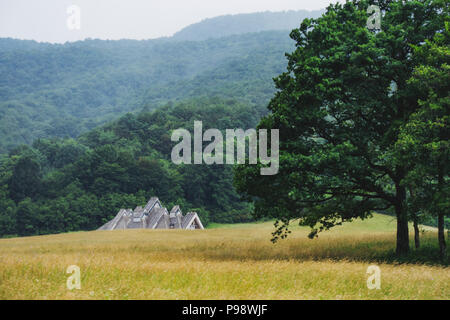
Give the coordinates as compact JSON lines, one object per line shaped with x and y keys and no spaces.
{"x":224,"y":262}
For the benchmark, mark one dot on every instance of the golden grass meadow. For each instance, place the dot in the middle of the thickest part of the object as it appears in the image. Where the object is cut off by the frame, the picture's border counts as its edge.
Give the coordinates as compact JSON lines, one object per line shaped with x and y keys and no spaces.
{"x":223,"y":262}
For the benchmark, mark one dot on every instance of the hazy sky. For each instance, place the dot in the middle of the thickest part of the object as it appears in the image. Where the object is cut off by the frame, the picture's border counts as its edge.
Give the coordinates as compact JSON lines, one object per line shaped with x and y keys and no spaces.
{"x":47,"y":20}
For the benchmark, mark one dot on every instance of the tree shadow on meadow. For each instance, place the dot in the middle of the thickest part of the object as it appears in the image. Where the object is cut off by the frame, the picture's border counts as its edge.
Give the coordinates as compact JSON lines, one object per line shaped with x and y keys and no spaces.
{"x":370,"y":251}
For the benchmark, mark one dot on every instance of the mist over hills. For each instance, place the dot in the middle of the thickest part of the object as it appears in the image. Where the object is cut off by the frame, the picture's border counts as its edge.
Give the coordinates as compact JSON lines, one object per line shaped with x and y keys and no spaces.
{"x":244,"y":23}
{"x":63,"y":90}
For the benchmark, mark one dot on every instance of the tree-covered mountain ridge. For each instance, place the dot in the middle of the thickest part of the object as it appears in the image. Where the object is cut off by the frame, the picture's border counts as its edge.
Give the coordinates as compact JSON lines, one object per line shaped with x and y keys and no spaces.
{"x":226,"y":25}
{"x":62,"y":90}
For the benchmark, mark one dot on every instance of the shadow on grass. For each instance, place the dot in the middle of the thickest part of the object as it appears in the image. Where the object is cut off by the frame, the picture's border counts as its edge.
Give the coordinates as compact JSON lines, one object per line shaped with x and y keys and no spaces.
{"x":381,"y":251}
{"x":426,"y":254}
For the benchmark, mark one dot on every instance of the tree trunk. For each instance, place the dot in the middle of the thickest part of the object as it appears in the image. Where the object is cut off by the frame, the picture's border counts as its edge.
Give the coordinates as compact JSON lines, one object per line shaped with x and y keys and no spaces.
{"x":416,"y":232}
{"x":441,"y":235}
{"x":402,"y":223}
{"x":402,"y":232}
{"x":416,"y":224}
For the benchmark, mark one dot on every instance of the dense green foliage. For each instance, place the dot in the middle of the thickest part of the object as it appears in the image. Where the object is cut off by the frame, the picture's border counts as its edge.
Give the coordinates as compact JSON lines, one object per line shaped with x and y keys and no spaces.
{"x":59,"y":185}
{"x":65,"y":90}
{"x":340,"y":106}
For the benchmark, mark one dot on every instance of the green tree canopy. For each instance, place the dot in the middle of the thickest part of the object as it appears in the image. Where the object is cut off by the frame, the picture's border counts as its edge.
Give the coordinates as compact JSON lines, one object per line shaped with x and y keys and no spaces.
{"x":339,"y":108}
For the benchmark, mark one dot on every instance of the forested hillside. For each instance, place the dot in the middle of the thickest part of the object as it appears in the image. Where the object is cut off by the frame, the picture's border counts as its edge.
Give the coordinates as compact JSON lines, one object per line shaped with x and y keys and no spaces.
{"x":63,"y":90}
{"x":226,"y":25}
{"x":59,"y":185}
{"x":68,"y":165}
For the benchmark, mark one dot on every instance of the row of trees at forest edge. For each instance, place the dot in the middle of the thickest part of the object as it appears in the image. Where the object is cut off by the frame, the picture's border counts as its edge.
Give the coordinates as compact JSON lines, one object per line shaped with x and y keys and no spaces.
{"x":61,"y":185}
{"x":364,"y":121}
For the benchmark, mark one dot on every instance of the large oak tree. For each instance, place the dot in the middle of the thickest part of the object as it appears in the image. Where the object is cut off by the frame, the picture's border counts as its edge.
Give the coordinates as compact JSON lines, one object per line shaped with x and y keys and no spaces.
{"x":339,"y":108}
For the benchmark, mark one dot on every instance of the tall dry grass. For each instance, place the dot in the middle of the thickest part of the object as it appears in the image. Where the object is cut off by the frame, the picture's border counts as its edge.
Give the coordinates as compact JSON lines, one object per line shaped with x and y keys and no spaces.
{"x":237,"y":262}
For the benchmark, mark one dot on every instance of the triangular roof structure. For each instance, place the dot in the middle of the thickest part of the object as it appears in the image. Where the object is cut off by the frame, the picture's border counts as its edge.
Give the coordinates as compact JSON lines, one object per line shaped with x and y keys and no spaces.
{"x":191,"y":221}
{"x":153,"y":216}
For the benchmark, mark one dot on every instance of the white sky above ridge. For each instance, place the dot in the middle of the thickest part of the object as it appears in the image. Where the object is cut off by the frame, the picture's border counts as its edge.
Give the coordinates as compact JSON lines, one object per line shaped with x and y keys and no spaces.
{"x":46,"y":20}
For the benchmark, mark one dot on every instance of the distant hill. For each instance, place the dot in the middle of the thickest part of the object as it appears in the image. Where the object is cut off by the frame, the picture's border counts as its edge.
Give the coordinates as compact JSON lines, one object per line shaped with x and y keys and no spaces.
{"x":244,"y":23}
{"x":63,"y":90}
